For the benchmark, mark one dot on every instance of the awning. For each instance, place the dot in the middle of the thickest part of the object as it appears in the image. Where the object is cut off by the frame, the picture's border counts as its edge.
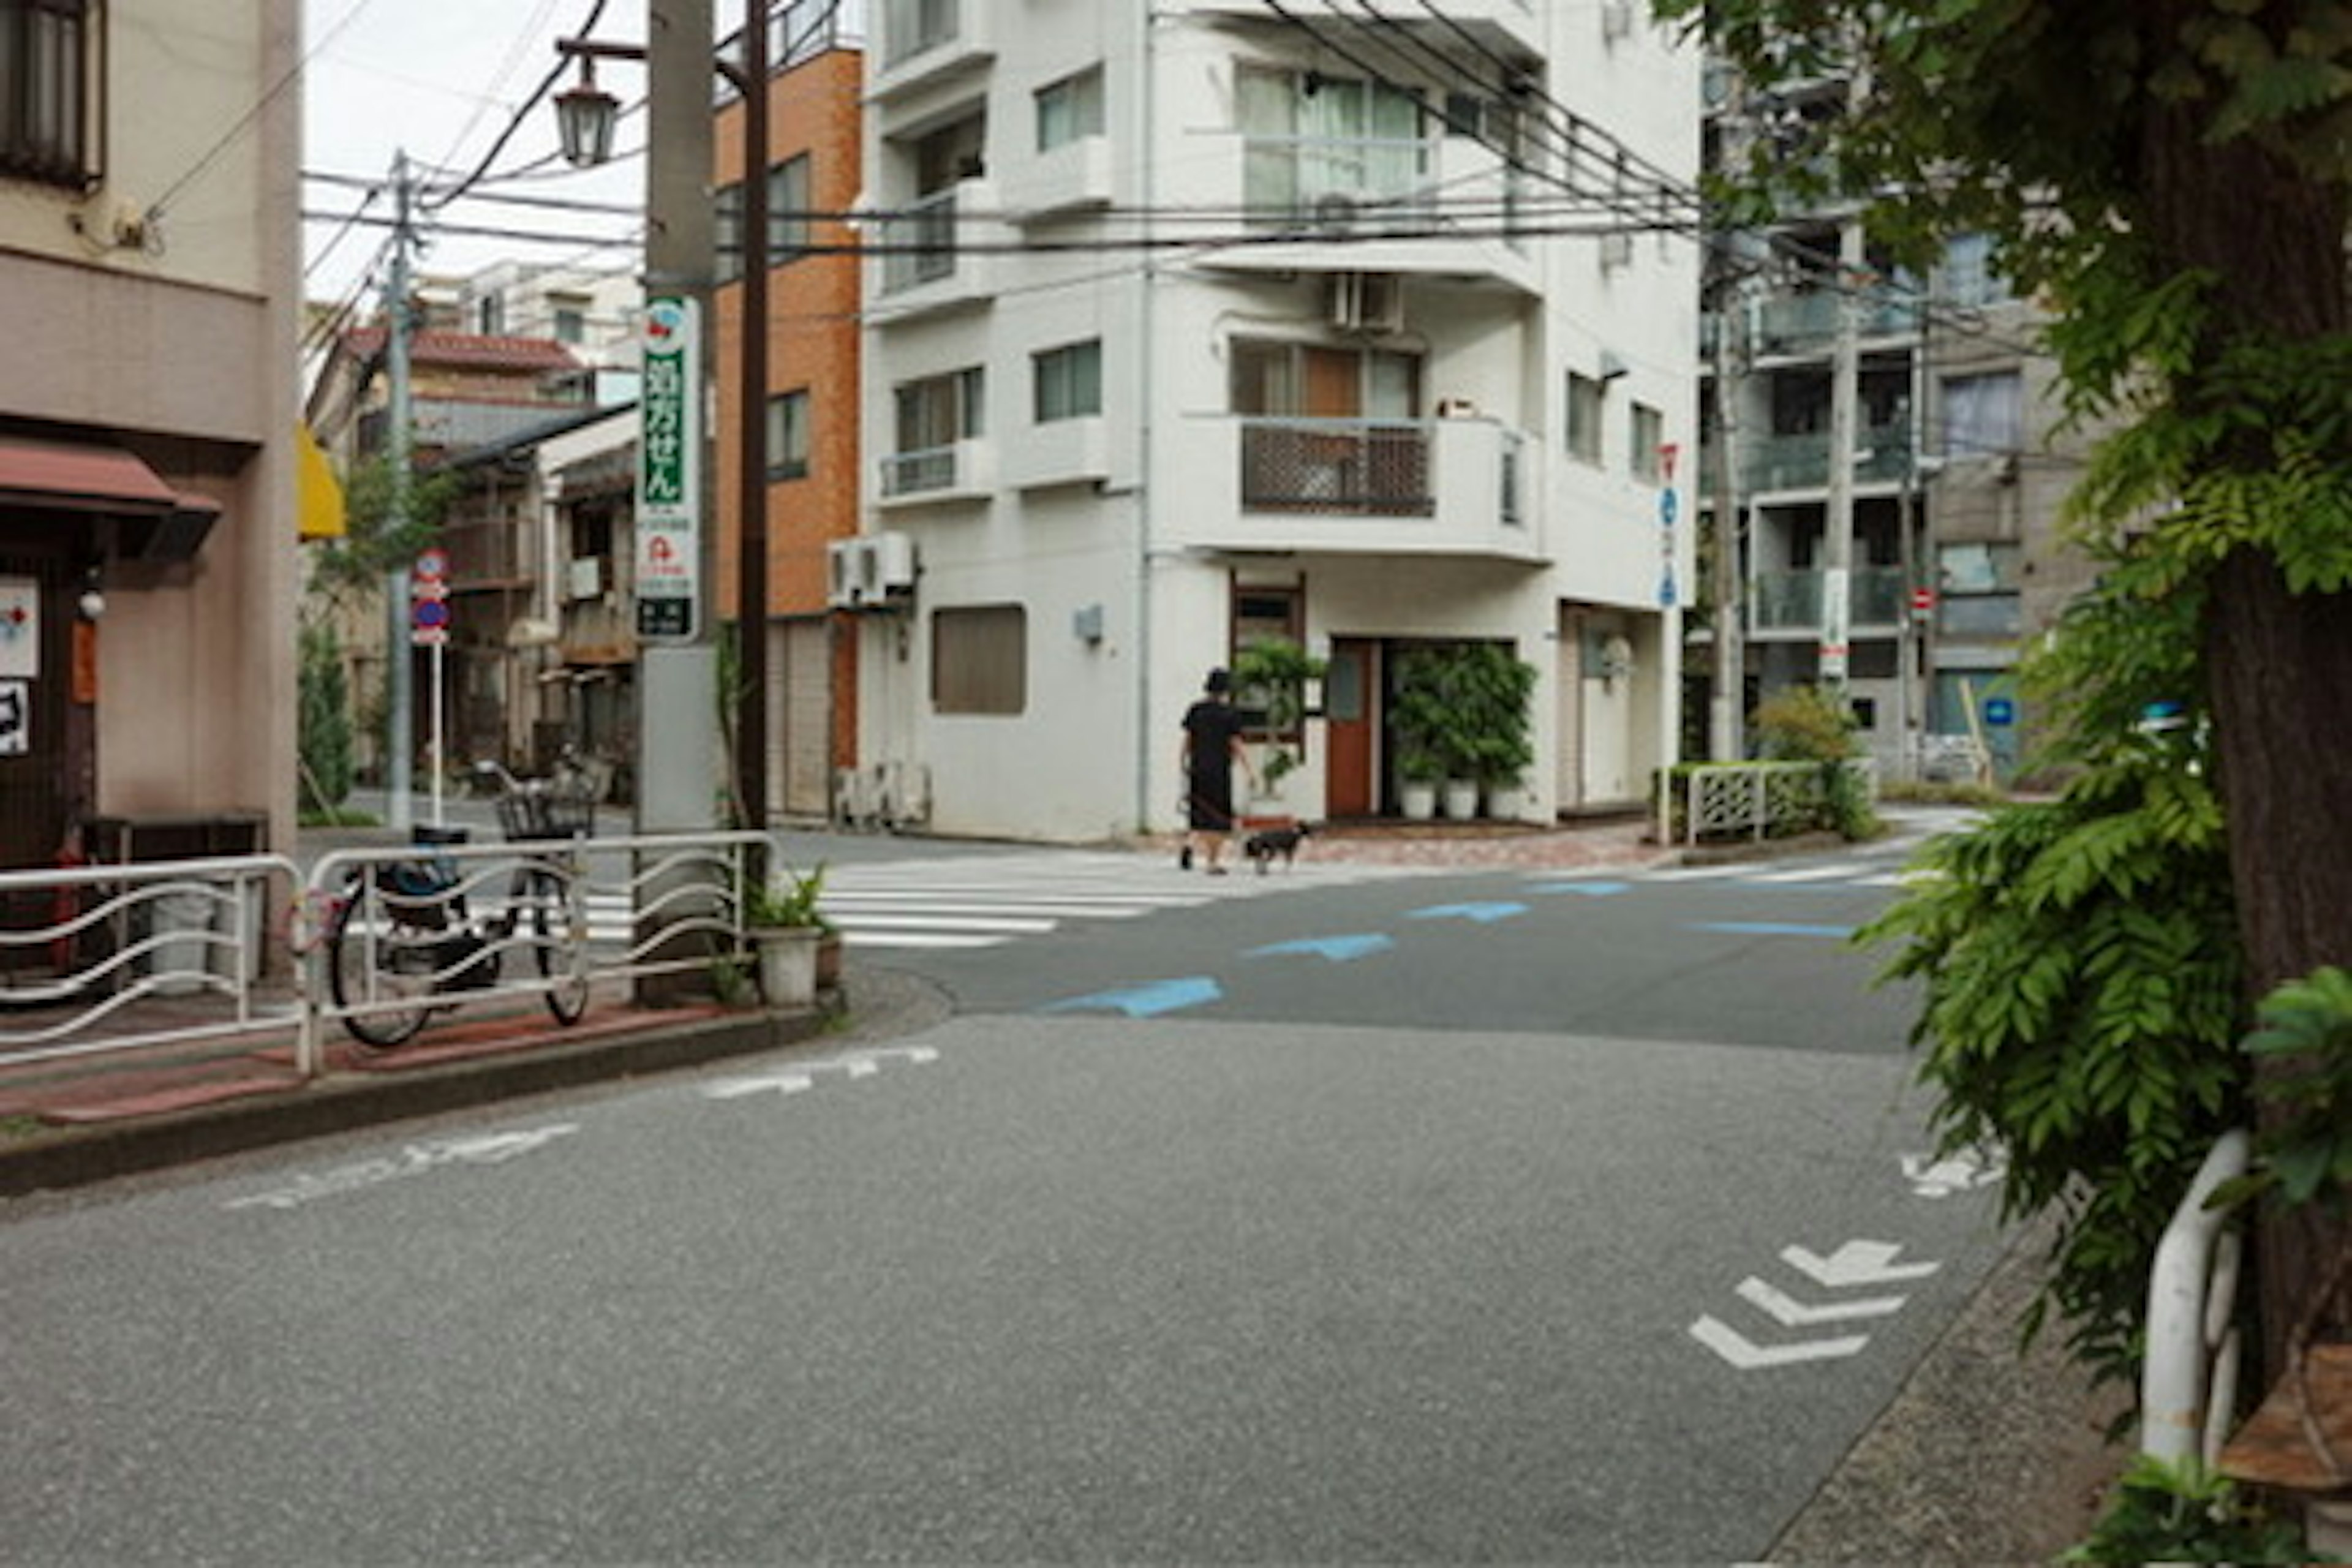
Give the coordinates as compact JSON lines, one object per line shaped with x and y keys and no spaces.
{"x":66,"y":475}
{"x":62,"y":476}
{"x":318,"y":500}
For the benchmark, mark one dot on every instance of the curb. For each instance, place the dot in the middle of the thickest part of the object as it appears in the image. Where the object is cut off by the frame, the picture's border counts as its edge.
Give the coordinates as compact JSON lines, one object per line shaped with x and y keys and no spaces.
{"x":79,"y":1156}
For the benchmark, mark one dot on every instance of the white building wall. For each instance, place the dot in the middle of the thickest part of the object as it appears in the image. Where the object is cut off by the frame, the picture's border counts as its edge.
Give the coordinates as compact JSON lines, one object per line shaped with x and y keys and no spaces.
{"x":1143,"y":533}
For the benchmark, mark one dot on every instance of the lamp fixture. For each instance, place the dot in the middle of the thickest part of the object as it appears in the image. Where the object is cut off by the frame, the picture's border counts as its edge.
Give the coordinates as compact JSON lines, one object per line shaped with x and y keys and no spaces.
{"x":584,"y":118}
{"x":92,"y":603}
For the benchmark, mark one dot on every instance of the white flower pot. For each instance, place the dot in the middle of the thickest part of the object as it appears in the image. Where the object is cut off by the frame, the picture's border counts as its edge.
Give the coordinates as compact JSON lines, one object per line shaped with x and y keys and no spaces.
{"x":1460,"y":799}
{"x":1418,"y":801}
{"x":788,"y":964}
{"x":1505,"y":802}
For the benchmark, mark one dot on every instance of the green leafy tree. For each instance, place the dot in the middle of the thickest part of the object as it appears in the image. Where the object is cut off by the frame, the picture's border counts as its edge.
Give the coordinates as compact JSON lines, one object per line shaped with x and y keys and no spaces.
{"x":376,"y":542}
{"x":2172,"y":176}
{"x":324,"y":718}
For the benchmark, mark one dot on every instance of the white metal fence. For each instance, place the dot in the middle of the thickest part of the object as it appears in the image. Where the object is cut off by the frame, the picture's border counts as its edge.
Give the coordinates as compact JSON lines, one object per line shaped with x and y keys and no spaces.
{"x":121,"y":958}
{"x":1759,"y":800}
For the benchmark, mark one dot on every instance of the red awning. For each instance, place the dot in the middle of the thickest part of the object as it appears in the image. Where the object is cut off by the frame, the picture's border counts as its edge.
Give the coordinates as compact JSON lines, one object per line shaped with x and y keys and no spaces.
{"x":62,"y":476}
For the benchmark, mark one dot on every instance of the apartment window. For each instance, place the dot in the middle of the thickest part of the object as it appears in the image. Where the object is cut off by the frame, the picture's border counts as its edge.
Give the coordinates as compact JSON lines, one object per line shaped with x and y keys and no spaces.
{"x":980,"y":660}
{"x":727,"y":234}
{"x":1069,"y":380}
{"x":571,"y":324}
{"x":788,"y":436}
{"x":911,"y":26}
{"x":788,"y":210}
{"x":1648,"y":462}
{"x":939,"y":410}
{"x":1313,"y":139}
{"x":1978,"y":591}
{"x":1586,"y":404}
{"x":490,"y":316}
{"x":1983,"y":413}
{"x":51,"y":89}
{"x":1069,"y":110}
{"x":1969,"y":275}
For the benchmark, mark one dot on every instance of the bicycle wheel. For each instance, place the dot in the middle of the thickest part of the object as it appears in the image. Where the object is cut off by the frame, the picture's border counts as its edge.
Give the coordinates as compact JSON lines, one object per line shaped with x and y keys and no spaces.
{"x":567,"y":996}
{"x":391,"y":962}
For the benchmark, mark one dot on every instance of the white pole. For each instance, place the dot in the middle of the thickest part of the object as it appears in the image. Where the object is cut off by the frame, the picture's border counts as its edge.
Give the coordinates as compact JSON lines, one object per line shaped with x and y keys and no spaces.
{"x":440,"y":766}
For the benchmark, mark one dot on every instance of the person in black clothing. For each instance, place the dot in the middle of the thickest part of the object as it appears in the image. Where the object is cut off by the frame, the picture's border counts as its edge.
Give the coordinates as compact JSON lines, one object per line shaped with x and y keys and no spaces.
{"x":1213,"y":745}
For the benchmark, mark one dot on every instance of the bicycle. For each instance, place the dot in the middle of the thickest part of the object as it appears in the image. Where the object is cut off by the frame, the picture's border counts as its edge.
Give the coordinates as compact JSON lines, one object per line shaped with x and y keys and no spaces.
{"x":405,"y":932}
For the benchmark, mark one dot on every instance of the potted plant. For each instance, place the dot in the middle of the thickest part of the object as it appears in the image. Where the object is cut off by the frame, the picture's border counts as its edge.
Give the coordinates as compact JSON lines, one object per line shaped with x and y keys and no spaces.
{"x":1419,"y":772}
{"x":781,"y":917}
{"x":1421,"y":720}
{"x":1494,"y":688}
{"x":1272,"y":677}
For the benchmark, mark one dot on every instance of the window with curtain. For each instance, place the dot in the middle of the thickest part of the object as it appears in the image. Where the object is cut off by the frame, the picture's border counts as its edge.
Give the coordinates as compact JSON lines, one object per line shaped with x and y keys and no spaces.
{"x":980,"y":660}
{"x":788,"y":210}
{"x":939,"y":410}
{"x":1069,"y":110}
{"x":52,"y":93}
{"x":1312,"y":135}
{"x":1067,"y":381}
{"x":1983,"y":413}
{"x":788,"y":435}
{"x":1586,"y":404}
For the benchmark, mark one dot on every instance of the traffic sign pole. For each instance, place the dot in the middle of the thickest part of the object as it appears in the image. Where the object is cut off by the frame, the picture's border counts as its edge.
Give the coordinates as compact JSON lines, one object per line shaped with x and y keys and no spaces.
{"x":428,"y":593}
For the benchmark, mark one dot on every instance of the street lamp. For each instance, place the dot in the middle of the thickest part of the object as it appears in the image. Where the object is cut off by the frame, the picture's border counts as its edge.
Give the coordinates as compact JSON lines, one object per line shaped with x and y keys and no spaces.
{"x":584,"y":118}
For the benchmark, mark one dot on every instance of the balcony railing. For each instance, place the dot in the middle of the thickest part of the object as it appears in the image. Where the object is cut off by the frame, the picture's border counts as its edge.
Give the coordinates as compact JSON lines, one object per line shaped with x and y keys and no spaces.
{"x":1357,"y":467}
{"x":1791,"y":599}
{"x":910,"y":28}
{"x":914,"y":473}
{"x":1803,"y":462}
{"x":1336,"y":183}
{"x":928,"y":227}
{"x":1795,"y":323}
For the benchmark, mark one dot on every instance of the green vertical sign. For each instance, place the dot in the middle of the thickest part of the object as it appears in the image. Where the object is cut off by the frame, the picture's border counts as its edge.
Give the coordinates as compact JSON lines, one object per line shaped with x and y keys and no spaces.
{"x":670,"y":472}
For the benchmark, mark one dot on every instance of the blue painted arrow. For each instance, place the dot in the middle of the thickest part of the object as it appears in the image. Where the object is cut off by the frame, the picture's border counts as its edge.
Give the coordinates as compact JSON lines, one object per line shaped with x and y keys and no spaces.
{"x":1337,"y":948}
{"x":1144,"y":1001}
{"x":1485,"y":914}
{"x":1770,"y":928}
{"x":1589,"y":889}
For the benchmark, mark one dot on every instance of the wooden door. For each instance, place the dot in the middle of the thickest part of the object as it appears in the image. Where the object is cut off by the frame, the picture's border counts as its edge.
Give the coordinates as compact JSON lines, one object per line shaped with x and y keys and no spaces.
{"x":1352,"y":721}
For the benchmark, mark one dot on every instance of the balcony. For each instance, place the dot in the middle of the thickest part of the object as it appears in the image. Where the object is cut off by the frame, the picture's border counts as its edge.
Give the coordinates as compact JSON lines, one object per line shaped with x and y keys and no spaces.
{"x":1370,"y":204}
{"x":1790,"y":601}
{"x":925,"y":41}
{"x":1807,"y":324}
{"x":924,"y":264}
{"x":1802,"y":462}
{"x":1507,"y":28}
{"x":1443,"y":487}
{"x":963,"y":472}
{"x":1072,"y":178}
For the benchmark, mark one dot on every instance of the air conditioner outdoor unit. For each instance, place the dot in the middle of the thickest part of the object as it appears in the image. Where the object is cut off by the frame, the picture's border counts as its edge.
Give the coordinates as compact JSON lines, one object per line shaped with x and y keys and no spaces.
{"x":1367,"y":301}
{"x":869,"y":570}
{"x":890,"y":563}
{"x":1335,"y":212}
{"x":841,"y":566}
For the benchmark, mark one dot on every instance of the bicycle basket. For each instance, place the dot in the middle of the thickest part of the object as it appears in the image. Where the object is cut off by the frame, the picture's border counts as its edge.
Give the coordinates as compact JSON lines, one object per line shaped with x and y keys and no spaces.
{"x":544,"y":814}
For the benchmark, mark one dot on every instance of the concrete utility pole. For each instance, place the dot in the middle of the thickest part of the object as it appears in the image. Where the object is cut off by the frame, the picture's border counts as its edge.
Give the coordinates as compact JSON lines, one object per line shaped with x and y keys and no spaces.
{"x":1837,"y":542}
{"x":677,"y":683}
{"x":1726,"y":714}
{"x":400,"y":698}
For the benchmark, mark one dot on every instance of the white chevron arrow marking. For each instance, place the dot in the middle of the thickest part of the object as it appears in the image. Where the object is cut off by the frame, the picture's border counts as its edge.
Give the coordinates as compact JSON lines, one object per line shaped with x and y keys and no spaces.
{"x":767,"y":1083}
{"x":1856,"y":1263}
{"x":1792,"y":1313}
{"x":1748,"y":1355}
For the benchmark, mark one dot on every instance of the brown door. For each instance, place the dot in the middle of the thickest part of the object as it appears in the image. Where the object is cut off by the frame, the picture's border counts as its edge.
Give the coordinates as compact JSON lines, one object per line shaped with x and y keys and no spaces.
{"x":1348,"y":686}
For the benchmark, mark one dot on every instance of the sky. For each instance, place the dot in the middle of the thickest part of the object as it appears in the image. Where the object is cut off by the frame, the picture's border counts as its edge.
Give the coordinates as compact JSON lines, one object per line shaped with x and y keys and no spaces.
{"x":441,"y":80}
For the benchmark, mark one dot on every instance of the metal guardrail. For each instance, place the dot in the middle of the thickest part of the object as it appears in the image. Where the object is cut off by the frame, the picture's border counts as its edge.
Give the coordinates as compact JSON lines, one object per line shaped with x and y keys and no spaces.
{"x":101,"y":940}
{"x":1731,"y":800}
{"x":115,"y":959}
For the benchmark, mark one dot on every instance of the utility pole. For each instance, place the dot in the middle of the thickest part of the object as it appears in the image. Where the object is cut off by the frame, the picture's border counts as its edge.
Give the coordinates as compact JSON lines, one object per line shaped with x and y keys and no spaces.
{"x":1845,"y":373}
{"x":1726,"y":715}
{"x":677,"y":683}
{"x":400,"y":668}
{"x":752,"y":430}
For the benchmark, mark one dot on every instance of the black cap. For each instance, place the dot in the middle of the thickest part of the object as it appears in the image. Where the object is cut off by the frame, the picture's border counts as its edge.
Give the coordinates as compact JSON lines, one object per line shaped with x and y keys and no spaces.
{"x":1218,"y":681}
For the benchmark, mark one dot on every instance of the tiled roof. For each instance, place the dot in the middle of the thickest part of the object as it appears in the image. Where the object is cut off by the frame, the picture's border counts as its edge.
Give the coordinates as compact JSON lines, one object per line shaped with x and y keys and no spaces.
{"x":470,"y":351}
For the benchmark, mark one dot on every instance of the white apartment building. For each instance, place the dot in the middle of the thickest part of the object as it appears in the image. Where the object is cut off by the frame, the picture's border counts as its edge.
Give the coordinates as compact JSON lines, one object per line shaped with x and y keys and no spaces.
{"x":1206,"y":322}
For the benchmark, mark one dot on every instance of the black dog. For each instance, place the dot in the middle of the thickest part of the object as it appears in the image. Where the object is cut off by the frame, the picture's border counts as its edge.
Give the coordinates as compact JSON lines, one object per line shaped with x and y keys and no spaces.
{"x":1267,"y":843}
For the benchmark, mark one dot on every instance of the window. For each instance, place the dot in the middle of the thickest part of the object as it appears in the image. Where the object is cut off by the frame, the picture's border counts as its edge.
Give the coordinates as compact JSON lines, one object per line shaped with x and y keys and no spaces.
{"x":788,"y":436}
{"x":51,"y":89}
{"x":1069,"y":110}
{"x":1585,"y":401}
{"x":911,"y":26}
{"x":727,"y":234}
{"x":1315,"y":143}
{"x":1649,"y":435}
{"x":571,"y":324}
{"x":939,"y":410}
{"x":1069,"y":382}
{"x":1983,"y":413}
{"x":788,"y":210}
{"x":980,"y":660}
{"x":490,"y":316}
{"x":1969,"y":275}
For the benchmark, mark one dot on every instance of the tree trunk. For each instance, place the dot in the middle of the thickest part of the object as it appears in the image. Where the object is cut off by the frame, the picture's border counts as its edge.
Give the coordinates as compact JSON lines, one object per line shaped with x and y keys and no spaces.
{"x":2279,"y":665}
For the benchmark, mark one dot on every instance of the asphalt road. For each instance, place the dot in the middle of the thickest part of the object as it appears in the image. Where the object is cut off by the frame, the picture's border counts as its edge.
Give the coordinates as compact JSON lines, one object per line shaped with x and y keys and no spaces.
{"x":1401,"y":1258}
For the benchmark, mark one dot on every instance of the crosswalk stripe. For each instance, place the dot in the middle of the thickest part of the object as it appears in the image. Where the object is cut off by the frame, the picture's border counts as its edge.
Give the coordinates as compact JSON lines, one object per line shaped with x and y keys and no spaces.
{"x":1809,"y":873}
